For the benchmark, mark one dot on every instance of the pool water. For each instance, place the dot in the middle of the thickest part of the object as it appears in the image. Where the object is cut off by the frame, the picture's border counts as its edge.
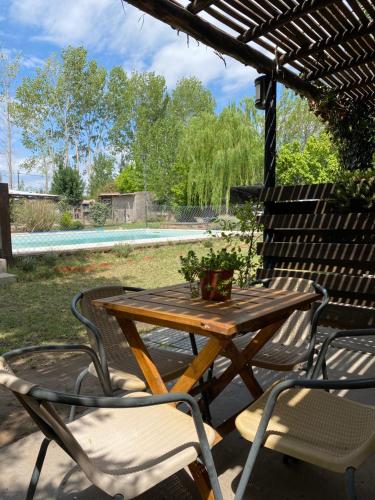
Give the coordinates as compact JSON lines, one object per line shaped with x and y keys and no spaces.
{"x":98,"y":238}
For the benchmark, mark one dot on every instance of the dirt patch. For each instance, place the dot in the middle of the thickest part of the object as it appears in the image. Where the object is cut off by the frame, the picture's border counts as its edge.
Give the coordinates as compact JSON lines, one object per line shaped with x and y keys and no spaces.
{"x":88,"y":268}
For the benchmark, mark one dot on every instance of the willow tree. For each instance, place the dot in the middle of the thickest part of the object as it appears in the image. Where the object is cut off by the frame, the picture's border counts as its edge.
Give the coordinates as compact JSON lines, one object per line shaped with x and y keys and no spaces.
{"x":219,"y":152}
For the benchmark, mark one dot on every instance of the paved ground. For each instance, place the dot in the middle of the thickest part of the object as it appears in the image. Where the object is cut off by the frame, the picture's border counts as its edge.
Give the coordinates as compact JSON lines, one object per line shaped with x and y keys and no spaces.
{"x":272,"y":479}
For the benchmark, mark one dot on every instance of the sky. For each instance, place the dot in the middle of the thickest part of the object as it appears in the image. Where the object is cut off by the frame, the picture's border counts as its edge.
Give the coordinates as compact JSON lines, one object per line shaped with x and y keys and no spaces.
{"x":114,"y":33}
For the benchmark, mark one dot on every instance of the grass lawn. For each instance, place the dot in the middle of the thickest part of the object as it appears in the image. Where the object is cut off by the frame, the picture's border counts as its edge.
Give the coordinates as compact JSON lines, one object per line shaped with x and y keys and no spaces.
{"x":37,"y":308}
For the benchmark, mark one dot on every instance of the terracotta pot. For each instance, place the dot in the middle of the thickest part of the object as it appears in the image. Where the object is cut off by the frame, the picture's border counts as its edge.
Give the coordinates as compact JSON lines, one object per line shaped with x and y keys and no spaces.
{"x":212,"y":287}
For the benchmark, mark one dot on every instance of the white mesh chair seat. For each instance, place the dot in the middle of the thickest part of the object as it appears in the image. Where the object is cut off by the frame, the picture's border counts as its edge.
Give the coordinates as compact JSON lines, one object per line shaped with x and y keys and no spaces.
{"x":134,"y":449}
{"x":275,"y":355}
{"x":288,"y":348}
{"x":170,"y":365}
{"x":316,"y":427}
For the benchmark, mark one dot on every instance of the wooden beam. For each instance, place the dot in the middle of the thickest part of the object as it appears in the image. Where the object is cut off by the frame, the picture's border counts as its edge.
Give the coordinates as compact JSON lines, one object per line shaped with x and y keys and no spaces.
{"x":5,"y":233}
{"x":198,"y":5}
{"x":341,"y":66}
{"x":273,"y":23}
{"x":368,"y":80}
{"x":180,"y":18}
{"x":327,"y":43}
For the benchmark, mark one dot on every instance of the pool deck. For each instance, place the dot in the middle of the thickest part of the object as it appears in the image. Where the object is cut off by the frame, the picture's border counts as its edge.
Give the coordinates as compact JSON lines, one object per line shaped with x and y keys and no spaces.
{"x":103,"y":246}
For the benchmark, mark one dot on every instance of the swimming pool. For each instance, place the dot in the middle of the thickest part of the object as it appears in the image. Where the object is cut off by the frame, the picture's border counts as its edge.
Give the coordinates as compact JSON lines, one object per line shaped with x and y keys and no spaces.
{"x":28,"y":243}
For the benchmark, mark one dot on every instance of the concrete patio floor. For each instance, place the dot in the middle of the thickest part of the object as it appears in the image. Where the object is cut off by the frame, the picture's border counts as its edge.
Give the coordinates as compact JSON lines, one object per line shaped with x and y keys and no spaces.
{"x":272,"y":479}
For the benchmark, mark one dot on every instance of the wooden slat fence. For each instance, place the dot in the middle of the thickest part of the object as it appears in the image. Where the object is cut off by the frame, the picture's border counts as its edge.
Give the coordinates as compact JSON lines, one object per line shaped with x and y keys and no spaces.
{"x":307,"y":236}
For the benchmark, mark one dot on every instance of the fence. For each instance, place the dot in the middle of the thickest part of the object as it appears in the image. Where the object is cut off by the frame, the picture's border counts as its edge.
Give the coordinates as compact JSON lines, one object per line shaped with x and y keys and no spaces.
{"x":161,"y":224}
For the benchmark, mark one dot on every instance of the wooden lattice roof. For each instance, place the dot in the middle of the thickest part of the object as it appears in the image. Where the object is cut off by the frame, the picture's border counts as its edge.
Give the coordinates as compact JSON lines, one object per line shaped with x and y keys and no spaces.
{"x":304,"y":43}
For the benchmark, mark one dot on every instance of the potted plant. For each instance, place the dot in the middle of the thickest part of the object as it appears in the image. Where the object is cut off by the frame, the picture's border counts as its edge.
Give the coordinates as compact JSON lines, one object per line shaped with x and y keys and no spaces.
{"x":214,"y":270}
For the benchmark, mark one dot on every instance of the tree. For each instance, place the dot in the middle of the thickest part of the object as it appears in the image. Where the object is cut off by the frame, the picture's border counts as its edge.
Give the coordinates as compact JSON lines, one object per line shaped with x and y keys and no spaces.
{"x":317,"y":162}
{"x":296,"y":122}
{"x":8,"y":72}
{"x":130,"y":180}
{"x":101,"y":174}
{"x":68,"y":183}
{"x":219,"y":152}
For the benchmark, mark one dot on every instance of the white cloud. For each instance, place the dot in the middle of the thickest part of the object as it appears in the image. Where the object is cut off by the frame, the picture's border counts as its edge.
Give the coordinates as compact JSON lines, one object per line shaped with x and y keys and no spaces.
{"x":142,"y":42}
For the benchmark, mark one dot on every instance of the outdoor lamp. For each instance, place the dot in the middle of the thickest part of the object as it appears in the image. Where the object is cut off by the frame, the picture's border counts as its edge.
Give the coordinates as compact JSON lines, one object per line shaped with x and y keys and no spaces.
{"x":261,"y":84}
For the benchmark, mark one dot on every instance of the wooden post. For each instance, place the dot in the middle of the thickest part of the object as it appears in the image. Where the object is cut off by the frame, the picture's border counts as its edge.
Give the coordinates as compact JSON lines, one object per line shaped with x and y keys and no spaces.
{"x":5,"y":234}
{"x":269,"y":153}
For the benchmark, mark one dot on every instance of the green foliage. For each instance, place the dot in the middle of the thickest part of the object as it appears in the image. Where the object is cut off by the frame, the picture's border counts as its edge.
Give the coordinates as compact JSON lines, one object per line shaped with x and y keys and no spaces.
{"x":68,"y":183}
{"x":28,"y":264}
{"x":352,"y":127}
{"x":295,"y":121}
{"x":129,"y":180}
{"x":247,"y":229}
{"x":66,"y":220}
{"x":99,"y":213}
{"x":208,"y":243}
{"x":122,"y":250}
{"x":101,"y":174}
{"x":356,"y":188}
{"x":317,"y":162}
{"x":218,"y":152}
{"x":35,"y":215}
{"x":48,"y":259}
{"x":68,"y":223}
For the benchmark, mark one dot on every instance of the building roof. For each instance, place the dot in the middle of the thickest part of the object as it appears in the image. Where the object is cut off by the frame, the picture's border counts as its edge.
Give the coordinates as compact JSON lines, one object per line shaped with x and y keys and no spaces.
{"x":304,"y":43}
{"x":27,"y":194}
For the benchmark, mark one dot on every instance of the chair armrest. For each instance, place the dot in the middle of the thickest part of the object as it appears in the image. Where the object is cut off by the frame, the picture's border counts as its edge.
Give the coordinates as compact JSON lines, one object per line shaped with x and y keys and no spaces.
{"x":315,"y":371}
{"x":263,"y":282}
{"x":63,"y":348}
{"x":314,"y":324}
{"x":42,"y":394}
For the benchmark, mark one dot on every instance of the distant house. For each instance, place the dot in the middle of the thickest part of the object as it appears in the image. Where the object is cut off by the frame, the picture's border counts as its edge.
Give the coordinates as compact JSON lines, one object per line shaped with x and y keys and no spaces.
{"x":83,"y":212}
{"x":126,"y":207}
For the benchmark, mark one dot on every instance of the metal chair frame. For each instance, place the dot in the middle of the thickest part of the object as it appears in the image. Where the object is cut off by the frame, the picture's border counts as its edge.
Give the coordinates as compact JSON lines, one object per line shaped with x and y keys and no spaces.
{"x":41,"y":394}
{"x":310,"y":382}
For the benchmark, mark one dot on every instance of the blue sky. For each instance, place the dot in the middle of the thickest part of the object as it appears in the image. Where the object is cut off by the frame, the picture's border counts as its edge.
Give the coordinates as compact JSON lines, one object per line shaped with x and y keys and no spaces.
{"x":114,"y":35}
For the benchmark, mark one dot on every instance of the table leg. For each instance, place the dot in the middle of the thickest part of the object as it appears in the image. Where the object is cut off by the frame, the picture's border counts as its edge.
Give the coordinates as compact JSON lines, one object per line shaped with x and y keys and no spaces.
{"x":200,"y":364}
{"x":143,"y":357}
{"x":201,"y":479}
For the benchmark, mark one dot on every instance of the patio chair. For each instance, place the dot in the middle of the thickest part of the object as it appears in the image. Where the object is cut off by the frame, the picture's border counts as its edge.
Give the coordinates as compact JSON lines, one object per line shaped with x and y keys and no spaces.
{"x":301,"y":419}
{"x":126,"y":445}
{"x":107,"y":339}
{"x":293,"y":345}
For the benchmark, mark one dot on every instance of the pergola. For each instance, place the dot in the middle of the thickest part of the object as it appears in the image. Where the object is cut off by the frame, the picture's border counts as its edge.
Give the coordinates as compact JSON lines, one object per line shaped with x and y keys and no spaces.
{"x":304,"y":44}
{"x":317,"y":48}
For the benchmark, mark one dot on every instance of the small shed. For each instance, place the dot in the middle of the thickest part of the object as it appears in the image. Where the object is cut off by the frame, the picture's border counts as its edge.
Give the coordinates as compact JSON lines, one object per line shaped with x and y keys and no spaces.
{"x":127,"y":207}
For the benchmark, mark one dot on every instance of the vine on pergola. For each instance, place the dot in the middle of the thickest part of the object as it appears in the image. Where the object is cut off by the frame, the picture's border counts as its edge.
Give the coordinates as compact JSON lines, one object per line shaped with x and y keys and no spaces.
{"x":352,"y":128}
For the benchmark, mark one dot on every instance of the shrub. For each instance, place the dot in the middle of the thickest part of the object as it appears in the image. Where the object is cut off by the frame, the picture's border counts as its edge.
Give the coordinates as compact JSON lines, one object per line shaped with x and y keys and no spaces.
{"x":77,"y":224}
{"x":35,"y":215}
{"x":28,"y":264}
{"x":122,"y":251}
{"x":66,"y":220}
{"x":99,"y":213}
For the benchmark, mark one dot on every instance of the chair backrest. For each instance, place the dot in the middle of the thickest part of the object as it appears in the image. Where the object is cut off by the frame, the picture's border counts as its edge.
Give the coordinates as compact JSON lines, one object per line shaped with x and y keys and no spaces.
{"x":297,"y":328}
{"x":113,"y":338}
{"x":49,"y":422}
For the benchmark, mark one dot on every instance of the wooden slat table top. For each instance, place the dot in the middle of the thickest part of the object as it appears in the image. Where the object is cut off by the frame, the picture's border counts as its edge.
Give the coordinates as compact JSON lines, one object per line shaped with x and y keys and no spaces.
{"x":172,"y":306}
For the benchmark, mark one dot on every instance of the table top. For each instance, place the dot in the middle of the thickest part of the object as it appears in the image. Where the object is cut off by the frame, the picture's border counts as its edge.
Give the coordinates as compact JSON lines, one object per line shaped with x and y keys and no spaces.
{"x":172,"y":306}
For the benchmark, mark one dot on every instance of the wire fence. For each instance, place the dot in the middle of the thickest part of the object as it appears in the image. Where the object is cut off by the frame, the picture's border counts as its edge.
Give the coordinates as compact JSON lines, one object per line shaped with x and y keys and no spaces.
{"x":154,"y":224}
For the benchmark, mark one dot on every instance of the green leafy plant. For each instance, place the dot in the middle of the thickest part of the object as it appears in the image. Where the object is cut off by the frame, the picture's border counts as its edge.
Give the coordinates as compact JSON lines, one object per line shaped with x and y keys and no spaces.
{"x":77,"y":224}
{"x":122,"y":251}
{"x":356,"y":188}
{"x":66,"y":220}
{"x":27,"y":264}
{"x":99,"y":213}
{"x":245,"y":229}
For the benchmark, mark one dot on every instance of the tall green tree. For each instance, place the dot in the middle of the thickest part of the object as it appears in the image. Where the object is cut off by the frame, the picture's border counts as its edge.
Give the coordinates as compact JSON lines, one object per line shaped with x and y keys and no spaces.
{"x":221,"y":152}
{"x":68,"y":183}
{"x":101,"y":173}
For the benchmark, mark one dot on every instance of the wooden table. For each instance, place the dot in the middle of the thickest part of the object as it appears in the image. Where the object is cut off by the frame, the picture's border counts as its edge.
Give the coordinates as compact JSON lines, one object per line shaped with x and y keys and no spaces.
{"x":253,"y":309}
